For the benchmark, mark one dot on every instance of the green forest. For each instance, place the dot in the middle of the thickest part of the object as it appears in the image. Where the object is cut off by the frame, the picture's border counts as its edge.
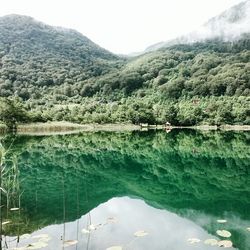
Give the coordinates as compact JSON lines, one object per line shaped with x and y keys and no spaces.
{"x":55,"y":74}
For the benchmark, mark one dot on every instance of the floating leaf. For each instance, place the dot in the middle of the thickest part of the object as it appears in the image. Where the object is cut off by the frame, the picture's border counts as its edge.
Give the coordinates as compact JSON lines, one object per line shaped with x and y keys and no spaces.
{"x":211,"y":242}
{"x":98,"y":225}
{"x":140,"y":233}
{"x":112,"y":220}
{"x":37,"y":245}
{"x":42,"y":237}
{"x":92,"y":227}
{"x":115,"y":248}
{"x":222,"y":221}
{"x":45,"y":239}
{"x":6,"y":222}
{"x":225,"y":243}
{"x":223,"y":233}
{"x":193,"y":240}
{"x":3,"y":190}
{"x":25,"y":236}
{"x":14,"y":209}
{"x":85,"y":231}
{"x":68,"y":243}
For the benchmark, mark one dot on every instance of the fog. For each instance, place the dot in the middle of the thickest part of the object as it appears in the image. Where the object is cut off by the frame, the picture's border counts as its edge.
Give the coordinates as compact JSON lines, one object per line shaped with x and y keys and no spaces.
{"x":228,"y":26}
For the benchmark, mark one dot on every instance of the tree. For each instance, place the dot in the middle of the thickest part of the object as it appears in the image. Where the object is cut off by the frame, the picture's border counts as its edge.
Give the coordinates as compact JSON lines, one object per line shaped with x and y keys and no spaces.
{"x":12,"y":111}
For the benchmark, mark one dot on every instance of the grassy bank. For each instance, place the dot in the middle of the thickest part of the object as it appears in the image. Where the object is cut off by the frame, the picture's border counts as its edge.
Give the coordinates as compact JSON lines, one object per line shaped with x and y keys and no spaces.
{"x":51,"y":128}
{"x":67,"y":127}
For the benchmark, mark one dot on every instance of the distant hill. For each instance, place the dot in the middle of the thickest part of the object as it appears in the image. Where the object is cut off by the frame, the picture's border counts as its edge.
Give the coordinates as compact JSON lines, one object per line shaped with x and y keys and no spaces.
{"x":228,"y":26}
{"x":38,"y":55}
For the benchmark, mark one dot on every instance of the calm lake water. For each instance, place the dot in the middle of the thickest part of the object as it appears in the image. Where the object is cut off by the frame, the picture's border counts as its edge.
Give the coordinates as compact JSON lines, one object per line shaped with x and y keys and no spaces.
{"x":133,"y":190}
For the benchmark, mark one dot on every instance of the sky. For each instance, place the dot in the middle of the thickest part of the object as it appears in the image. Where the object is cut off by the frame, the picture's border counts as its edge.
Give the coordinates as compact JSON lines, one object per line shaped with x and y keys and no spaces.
{"x":121,"y":26}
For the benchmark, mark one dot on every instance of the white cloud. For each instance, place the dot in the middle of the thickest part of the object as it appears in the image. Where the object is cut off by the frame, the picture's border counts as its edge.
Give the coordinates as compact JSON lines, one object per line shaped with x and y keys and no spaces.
{"x":121,"y":26}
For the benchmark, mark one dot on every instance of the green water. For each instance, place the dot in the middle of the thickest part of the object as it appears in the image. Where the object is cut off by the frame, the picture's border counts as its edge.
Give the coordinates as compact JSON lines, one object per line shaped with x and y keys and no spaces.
{"x":175,"y":186}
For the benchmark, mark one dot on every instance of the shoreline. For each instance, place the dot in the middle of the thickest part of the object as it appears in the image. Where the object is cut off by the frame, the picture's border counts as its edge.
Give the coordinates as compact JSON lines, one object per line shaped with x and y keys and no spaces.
{"x":54,"y":128}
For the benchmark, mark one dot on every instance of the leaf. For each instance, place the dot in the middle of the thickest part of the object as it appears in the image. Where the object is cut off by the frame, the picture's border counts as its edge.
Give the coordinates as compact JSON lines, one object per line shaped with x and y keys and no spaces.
{"x":68,"y":243}
{"x":222,"y":221}
{"x":6,"y":222}
{"x":92,"y":227}
{"x":140,"y":233}
{"x":85,"y":231}
{"x":248,"y":229}
{"x":211,"y":242}
{"x":45,"y":239}
{"x":25,"y":236}
{"x":193,"y":240}
{"x":37,"y":245}
{"x":42,"y":237}
{"x":3,"y":190}
{"x":114,"y":248}
{"x":14,"y":209}
{"x":112,"y":220}
{"x":223,"y":233}
{"x":225,"y":243}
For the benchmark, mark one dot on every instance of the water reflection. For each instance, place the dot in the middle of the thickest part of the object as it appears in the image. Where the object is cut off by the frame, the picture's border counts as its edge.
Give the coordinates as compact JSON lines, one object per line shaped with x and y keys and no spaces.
{"x":115,"y":223}
{"x":195,"y":177}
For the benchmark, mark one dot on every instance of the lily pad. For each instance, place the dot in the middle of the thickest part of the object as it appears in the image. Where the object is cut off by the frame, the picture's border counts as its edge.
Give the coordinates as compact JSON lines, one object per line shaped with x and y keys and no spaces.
{"x":36,"y":245}
{"x":40,"y":236}
{"x":225,"y":243}
{"x":140,"y":233}
{"x":223,"y":233}
{"x":211,"y":242}
{"x":6,"y":222}
{"x":3,"y":190}
{"x":68,"y":243}
{"x":85,"y":231}
{"x":114,"y":248}
{"x":222,"y":221}
{"x":193,"y":240}
{"x":112,"y":220}
{"x":14,"y":209}
{"x":25,"y":236}
{"x":92,"y":227}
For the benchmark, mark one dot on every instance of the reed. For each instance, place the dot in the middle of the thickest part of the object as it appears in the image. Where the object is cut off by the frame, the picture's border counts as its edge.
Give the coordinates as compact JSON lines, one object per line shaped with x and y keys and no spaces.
{"x":10,"y":192}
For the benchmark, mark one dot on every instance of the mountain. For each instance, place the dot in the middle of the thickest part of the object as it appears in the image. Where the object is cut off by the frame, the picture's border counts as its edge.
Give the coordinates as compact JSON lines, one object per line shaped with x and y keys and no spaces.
{"x":38,"y":55}
{"x":60,"y":75}
{"x":228,"y":26}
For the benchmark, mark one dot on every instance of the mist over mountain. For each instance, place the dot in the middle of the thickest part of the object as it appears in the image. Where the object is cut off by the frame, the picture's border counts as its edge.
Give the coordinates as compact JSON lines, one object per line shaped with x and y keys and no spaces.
{"x":230,"y":25}
{"x":61,"y":75}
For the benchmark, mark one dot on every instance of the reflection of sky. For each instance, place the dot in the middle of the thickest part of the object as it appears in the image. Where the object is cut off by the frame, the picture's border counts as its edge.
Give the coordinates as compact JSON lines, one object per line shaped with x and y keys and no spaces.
{"x":165,"y":230}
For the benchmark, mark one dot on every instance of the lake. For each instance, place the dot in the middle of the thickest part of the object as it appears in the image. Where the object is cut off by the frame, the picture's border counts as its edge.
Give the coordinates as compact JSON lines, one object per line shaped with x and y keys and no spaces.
{"x":127,"y":190}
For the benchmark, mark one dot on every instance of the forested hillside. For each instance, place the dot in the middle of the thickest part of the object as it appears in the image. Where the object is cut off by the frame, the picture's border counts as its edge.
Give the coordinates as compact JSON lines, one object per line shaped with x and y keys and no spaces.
{"x":62,"y":75}
{"x":35,"y":57}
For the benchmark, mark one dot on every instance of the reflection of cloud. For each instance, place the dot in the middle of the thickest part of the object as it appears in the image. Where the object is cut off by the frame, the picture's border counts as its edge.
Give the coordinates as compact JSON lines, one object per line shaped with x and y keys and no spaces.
{"x":166,"y":230}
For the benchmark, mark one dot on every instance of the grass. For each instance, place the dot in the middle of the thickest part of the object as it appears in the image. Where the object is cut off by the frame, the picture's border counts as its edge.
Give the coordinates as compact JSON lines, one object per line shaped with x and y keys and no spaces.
{"x":68,"y":127}
{"x":63,"y":127}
